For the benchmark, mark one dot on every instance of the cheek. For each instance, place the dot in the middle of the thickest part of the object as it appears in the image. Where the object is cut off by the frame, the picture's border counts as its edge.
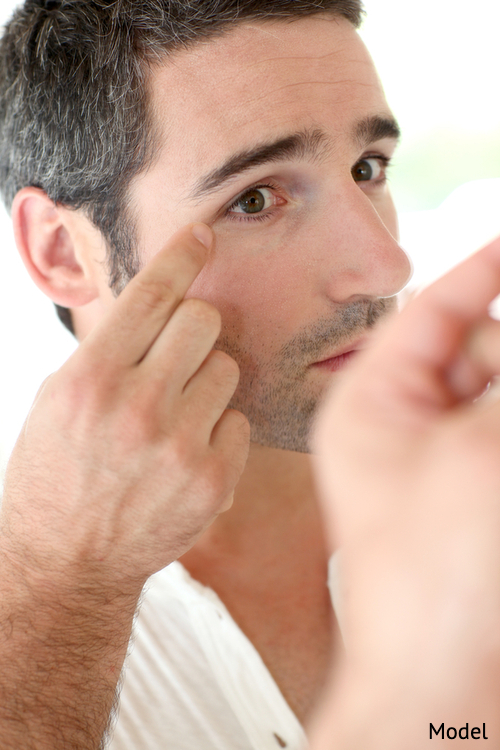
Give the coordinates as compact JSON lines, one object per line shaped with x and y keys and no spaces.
{"x":257,"y":297}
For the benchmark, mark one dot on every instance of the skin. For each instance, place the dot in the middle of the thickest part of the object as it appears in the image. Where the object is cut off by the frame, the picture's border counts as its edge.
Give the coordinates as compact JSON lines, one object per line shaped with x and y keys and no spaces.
{"x":405,"y":411}
{"x":313,"y":264}
{"x":93,"y":457}
{"x":326,"y":246}
{"x":328,"y":254}
{"x":419,"y":526}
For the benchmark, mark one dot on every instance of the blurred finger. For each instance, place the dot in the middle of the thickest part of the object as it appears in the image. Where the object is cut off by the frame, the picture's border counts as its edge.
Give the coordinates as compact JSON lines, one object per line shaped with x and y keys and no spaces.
{"x":409,"y":364}
{"x":483,"y":347}
{"x":434,"y":324}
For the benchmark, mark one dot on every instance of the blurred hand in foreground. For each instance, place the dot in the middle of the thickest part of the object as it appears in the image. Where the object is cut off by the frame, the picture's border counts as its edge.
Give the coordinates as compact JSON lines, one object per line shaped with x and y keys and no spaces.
{"x":409,"y":471}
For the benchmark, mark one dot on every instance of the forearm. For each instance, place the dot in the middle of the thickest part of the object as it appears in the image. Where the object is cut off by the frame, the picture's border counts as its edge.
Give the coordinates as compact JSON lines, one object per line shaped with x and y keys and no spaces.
{"x":61,"y":653}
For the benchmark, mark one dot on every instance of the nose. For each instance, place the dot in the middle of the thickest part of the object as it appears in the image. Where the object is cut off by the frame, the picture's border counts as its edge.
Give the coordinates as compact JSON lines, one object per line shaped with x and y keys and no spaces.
{"x":365,"y":258}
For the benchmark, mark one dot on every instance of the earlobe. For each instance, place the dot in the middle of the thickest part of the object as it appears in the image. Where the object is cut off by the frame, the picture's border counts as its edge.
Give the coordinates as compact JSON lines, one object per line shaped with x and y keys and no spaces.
{"x":49,"y":249}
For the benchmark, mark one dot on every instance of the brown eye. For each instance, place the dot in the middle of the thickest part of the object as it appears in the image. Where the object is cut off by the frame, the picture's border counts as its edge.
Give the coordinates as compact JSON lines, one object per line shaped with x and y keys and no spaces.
{"x":253,"y":202}
{"x":367,"y":170}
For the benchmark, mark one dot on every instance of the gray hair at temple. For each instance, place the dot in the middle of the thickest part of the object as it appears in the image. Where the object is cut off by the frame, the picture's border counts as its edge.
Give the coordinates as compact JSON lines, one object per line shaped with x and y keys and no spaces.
{"x":75,"y":118}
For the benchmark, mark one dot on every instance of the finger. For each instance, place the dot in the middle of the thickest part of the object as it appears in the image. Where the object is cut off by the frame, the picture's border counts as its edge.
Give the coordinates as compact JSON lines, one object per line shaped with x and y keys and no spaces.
{"x":147,"y":303}
{"x":414,"y":352}
{"x":435,"y":322}
{"x":183,"y":345}
{"x":231,"y":441}
{"x":483,"y":347}
{"x":478,"y":363}
{"x":467,"y":378}
{"x":209,"y":391}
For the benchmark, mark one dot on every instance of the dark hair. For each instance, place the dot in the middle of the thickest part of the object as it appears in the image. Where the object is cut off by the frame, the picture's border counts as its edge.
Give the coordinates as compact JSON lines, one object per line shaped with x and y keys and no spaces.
{"x":74,"y":115}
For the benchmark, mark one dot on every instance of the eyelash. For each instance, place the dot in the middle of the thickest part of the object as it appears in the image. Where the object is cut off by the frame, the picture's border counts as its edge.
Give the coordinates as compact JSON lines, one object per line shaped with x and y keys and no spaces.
{"x":385,"y":160}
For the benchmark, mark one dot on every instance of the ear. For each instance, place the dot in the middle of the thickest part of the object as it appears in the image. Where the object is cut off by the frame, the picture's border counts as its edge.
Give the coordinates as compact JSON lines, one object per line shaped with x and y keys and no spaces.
{"x":51,"y":251}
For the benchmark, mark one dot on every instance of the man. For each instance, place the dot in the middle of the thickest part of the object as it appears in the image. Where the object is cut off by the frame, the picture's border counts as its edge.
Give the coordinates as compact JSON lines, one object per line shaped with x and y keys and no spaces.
{"x":272,"y":128}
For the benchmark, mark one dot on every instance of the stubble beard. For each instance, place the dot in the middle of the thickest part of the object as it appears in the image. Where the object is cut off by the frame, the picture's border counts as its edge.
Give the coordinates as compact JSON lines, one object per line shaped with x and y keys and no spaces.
{"x":275,"y":396}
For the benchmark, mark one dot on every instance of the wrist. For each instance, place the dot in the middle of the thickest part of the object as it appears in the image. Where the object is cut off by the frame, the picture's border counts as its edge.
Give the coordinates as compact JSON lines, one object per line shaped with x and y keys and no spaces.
{"x":57,"y":580}
{"x":62,"y":647}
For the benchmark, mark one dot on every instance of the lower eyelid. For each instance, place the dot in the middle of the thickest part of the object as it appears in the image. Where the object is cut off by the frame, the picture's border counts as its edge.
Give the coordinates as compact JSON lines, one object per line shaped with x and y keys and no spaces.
{"x":248,"y":218}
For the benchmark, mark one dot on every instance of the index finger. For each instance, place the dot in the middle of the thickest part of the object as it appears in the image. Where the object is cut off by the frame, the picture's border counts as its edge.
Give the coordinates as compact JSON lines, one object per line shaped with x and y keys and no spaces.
{"x":147,"y":303}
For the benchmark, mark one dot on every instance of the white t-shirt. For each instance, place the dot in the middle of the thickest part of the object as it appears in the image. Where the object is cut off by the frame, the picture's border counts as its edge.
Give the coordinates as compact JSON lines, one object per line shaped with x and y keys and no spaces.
{"x":193,"y":680}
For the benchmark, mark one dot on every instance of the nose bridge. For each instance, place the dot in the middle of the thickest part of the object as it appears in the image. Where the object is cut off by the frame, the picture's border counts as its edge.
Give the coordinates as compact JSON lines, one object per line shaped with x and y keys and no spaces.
{"x":368,"y":257}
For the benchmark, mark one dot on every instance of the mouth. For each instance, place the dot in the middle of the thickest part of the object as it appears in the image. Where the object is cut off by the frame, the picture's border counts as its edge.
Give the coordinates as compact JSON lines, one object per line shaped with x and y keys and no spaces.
{"x":339,"y":360}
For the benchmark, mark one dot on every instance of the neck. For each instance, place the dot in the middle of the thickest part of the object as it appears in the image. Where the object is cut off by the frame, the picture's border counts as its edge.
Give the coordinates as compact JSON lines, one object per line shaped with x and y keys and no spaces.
{"x":266,"y":559}
{"x":275,"y":496}
{"x":272,"y":479}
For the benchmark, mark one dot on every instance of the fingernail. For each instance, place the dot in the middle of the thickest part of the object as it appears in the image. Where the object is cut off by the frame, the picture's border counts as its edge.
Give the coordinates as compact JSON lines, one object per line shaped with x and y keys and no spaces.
{"x":204,"y":234}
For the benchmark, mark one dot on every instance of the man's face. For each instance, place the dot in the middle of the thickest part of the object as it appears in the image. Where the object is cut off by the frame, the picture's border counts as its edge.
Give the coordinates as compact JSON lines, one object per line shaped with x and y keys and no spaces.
{"x":304,"y":251}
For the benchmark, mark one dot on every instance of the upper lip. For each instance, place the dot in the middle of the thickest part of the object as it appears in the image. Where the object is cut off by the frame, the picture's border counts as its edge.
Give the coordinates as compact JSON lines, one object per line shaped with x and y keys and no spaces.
{"x":355,"y":347}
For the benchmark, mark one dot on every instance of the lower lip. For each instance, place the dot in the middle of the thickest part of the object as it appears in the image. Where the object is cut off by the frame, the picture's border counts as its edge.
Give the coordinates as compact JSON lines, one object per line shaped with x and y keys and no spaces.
{"x":336,"y":363}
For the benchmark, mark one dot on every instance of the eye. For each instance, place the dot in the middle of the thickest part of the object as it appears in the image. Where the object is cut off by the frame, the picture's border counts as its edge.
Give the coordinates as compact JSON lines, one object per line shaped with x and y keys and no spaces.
{"x":371,"y":169}
{"x":254,"y":201}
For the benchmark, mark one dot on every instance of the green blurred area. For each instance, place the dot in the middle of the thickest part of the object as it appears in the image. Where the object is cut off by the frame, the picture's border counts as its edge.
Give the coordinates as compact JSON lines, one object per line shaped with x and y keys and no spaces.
{"x":427,"y":169}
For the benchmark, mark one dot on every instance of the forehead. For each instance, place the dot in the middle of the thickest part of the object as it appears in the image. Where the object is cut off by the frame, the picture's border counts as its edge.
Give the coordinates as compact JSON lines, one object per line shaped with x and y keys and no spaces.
{"x":262,"y":80}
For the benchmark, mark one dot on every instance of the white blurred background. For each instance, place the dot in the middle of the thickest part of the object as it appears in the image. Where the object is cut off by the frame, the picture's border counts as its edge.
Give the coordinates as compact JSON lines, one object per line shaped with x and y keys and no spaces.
{"x":439,"y":65}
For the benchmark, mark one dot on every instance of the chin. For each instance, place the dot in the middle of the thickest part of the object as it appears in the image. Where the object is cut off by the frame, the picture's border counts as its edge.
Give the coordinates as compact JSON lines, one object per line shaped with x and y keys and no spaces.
{"x":298,"y":442}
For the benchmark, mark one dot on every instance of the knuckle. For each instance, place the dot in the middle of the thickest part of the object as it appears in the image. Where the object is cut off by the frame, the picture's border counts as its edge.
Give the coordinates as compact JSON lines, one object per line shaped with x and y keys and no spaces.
{"x":196,"y":251}
{"x":226,"y":365}
{"x":181,"y":453}
{"x":86,"y":383}
{"x":242,"y":426}
{"x":77,"y":392}
{"x":239,"y":435}
{"x":202,"y":312}
{"x":154,"y":293}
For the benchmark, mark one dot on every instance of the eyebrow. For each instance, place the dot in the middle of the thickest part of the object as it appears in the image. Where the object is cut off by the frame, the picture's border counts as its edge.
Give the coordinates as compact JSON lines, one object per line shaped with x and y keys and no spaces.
{"x":373,"y":129}
{"x":312,"y":144}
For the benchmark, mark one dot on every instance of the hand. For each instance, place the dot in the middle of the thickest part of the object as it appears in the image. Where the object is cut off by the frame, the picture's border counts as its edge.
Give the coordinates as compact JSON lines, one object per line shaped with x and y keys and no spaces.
{"x":129,"y":453}
{"x":409,"y":467}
